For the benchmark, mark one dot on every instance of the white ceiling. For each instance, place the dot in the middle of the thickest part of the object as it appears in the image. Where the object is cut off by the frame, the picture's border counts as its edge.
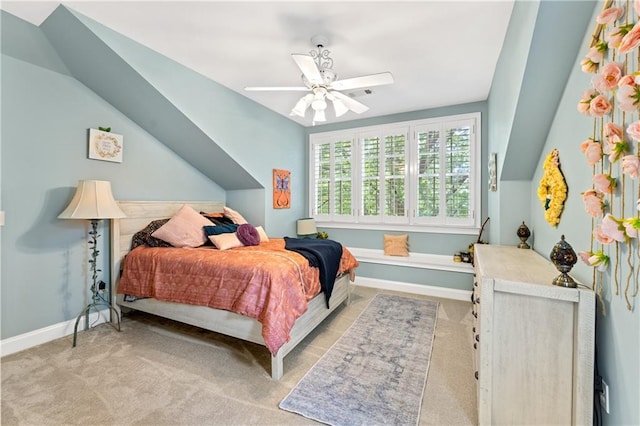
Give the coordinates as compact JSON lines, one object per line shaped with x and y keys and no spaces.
{"x":439,"y":52}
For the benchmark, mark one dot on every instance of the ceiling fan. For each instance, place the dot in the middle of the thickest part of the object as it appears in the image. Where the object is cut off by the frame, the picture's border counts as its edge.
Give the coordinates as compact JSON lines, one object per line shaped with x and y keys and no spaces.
{"x":321,"y":81}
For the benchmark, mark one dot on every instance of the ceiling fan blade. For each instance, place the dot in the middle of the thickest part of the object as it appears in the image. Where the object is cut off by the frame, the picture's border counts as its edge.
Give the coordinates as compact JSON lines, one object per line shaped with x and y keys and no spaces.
{"x":364,"y":81}
{"x":308,"y":67}
{"x":351,"y":103}
{"x":276,"y":88}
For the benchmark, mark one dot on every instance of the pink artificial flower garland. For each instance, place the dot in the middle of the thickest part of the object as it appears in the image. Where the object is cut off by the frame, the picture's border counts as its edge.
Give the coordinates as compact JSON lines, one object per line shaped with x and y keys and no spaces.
{"x":593,"y":203}
{"x":592,"y":150}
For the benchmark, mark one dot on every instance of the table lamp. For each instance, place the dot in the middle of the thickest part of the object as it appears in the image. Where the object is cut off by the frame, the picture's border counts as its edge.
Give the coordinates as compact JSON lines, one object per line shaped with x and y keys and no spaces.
{"x":93,"y":201}
{"x":306,"y":228}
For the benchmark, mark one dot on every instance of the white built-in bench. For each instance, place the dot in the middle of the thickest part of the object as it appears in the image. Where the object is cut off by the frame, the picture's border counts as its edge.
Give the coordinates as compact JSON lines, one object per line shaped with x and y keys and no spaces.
{"x":414,"y":260}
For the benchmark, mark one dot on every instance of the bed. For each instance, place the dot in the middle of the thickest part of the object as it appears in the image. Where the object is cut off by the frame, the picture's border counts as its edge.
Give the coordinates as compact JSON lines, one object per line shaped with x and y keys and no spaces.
{"x":141,"y":213}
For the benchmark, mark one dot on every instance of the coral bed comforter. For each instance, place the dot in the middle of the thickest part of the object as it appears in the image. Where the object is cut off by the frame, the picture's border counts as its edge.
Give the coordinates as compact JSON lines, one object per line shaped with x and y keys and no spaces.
{"x":264,"y":282}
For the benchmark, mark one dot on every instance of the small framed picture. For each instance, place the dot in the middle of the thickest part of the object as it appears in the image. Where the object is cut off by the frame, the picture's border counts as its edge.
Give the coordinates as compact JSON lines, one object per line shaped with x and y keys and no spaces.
{"x":105,"y":146}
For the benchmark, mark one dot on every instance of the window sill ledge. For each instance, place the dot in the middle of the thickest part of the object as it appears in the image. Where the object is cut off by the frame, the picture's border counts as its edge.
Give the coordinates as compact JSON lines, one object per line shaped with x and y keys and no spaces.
{"x":473,"y":230}
{"x":414,"y":260}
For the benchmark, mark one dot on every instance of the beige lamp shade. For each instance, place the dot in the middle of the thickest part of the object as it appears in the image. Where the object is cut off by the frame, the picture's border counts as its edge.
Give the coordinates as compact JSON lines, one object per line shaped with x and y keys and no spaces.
{"x":93,"y":200}
{"x":306,"y":226}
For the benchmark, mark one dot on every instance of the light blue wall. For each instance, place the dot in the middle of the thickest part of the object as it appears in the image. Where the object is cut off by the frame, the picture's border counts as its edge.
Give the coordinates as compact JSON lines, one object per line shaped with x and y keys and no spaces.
{"x":231,"y":139}
{"x":256,"y":138}
{"x":527,"y":86}
{"x":45,"y":117}
{"x":509,"y":73}
{"x":502,"y":103}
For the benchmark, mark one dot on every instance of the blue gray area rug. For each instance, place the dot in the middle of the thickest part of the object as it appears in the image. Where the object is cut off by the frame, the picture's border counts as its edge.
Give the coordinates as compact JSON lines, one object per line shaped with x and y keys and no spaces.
{"x":376,"y":372}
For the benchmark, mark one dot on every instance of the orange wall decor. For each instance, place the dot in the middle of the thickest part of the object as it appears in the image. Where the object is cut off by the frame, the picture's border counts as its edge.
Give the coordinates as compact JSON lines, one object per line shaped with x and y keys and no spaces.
{"x":281,"y":189}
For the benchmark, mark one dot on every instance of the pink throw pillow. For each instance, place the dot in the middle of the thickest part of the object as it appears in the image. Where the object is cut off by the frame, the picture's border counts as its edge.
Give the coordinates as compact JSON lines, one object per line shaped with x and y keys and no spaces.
{"x":184,"y":229}
{"x":234,"y":216}
{"x":225,"y":241}
{"x":263,"y":235}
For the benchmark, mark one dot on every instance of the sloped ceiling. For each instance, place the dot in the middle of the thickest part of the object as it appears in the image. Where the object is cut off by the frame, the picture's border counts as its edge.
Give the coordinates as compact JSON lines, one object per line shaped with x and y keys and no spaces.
{"x":231,"y":44}
{"x":441,"y":53}
{"x":97,"y":62}
{"x":552,"y":55}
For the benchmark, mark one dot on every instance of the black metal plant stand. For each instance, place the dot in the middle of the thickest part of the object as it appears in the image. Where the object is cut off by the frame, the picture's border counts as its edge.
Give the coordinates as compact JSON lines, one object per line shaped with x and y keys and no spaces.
{"x":96,"y":298}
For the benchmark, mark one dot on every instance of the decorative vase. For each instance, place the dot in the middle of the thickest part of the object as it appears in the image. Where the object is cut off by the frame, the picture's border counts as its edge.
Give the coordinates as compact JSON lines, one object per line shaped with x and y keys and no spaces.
{"x":563,"y":258}
{"x":523,"y":233}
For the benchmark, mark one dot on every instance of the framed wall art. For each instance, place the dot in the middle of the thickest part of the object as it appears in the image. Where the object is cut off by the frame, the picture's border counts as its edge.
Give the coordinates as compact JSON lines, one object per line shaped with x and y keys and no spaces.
{"x":106,"y":146}
{"x":281,"y":189}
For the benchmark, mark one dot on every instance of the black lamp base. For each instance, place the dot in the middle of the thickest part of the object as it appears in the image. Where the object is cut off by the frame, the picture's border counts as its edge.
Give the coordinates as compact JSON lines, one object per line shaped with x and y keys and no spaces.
{"x":96,"y":298}
{"x":85,"y":313}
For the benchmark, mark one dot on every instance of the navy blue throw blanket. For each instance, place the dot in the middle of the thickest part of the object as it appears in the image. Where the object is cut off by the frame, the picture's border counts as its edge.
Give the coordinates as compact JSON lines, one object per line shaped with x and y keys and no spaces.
{"x":322,"y":254}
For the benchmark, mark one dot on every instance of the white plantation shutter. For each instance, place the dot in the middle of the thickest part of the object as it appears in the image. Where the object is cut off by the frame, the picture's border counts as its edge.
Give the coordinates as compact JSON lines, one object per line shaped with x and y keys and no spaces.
{"x":384,"y":175}
{"x":370,"y":148}
{"x":428,"y":179}
{"x":423,"y":173}
{"x":396,"y":177}
{"x":343,"y":182}
{"x":457,"y":156}
{"x":331,"y":182}
{"x":444,"y":183}
{"x":321,"y":153}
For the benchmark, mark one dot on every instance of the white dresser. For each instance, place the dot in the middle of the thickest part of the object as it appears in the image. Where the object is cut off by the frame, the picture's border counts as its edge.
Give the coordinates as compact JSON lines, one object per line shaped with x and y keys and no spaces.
{"x":534,"y":342}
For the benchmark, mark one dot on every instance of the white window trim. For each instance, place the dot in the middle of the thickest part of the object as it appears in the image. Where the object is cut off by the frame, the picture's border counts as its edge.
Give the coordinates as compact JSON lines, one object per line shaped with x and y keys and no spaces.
{"x":469,"y":230}
{"x":354,"y":134}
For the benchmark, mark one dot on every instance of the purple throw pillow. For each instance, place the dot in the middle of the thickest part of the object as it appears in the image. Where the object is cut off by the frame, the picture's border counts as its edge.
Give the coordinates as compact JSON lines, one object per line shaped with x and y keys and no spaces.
{"x":248,"y":235}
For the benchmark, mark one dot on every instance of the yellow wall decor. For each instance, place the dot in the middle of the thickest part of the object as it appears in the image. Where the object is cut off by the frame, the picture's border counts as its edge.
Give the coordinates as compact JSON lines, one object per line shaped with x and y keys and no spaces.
{"x":552,"y":190}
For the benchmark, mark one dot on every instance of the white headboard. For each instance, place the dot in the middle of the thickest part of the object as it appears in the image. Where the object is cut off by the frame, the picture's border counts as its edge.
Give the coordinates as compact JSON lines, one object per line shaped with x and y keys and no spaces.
{"x":139,"y":214}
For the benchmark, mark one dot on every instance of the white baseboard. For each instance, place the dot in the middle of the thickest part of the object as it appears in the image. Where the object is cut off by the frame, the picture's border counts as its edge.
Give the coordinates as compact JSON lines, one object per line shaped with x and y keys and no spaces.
{"x":424,"y":290}
{"x":47,"y":334}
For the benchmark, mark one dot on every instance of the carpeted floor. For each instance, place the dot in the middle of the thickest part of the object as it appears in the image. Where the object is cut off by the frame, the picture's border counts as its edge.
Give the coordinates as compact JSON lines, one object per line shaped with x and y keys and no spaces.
{"x":160,"y":372}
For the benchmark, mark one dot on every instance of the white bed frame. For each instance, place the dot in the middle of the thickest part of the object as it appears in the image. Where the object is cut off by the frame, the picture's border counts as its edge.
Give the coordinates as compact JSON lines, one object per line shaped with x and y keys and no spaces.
{"x":139,"y":214}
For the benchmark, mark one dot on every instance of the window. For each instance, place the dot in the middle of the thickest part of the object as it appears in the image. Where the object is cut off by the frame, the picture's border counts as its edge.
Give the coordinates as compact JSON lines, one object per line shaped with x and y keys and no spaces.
{"x":423,"y":173}
{"x":383,"y":156}
{"x":332,"y":171}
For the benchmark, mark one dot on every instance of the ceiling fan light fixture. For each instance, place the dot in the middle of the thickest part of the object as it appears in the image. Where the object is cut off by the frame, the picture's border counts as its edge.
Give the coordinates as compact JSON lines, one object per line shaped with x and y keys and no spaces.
{"x":298,"y":112}
{"x":319,"y":105}
{"x":319,"y":115}
{"x":301,"y":106}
